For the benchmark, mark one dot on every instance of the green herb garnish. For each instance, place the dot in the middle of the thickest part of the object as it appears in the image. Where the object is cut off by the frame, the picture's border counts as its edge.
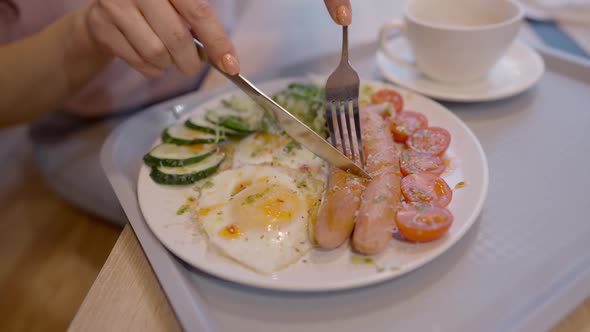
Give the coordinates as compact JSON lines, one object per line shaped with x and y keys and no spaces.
{"x":362,"y":260}
{"x":181,"y":210}
{"x":379,"y":199}
{"x":367,"y":260}
{"x":292,"y":145}
{"x":254,"y":197}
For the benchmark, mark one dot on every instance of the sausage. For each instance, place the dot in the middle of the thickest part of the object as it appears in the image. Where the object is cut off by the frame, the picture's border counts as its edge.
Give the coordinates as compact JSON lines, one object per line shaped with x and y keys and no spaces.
{"x":376,"y":216}
{"x":375,"y":220}
{"x":342,"y":199}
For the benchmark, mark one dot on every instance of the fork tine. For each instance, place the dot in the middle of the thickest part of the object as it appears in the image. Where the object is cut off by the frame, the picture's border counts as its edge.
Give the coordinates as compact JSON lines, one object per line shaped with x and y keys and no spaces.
{"x":330,"y":121}
{"x":342,"y":89}
{"x":357,"y":127}
{"x":340,"y":127}
{"x":349,"y":131}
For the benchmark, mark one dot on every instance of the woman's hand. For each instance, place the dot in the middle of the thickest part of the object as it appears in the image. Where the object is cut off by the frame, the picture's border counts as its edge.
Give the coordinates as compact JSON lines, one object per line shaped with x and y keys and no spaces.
{"x":152,"y":35}
{"x":340,"y":11}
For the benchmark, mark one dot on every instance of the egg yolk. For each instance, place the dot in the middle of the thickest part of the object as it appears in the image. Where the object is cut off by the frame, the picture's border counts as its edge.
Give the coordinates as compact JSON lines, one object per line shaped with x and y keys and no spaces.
{"x":264,"y":207}
{"x":230,"y":232}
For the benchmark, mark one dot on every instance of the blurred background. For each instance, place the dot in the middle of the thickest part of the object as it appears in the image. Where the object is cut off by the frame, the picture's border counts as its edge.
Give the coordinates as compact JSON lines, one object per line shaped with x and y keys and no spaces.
{"x":59,"y":218}
{"x":54,"y":238}
{"x":50,"y":250}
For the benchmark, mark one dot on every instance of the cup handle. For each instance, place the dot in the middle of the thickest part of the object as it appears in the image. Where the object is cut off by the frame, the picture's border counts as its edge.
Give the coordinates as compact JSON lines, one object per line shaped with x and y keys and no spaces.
{"x":383,"y":34}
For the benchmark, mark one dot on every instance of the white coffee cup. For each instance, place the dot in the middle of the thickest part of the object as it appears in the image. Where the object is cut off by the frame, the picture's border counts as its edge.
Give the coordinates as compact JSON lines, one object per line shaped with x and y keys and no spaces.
{"x":455,"y":41}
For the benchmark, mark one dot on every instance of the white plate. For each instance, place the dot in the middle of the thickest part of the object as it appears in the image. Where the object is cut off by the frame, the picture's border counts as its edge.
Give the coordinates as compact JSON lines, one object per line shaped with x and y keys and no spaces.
{"x":519,"y":69}
{"x":326,"y":270}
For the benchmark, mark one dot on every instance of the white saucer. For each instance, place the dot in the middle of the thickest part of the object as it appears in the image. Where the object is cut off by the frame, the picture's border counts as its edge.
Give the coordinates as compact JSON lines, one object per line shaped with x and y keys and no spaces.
{"x":520,"y":68}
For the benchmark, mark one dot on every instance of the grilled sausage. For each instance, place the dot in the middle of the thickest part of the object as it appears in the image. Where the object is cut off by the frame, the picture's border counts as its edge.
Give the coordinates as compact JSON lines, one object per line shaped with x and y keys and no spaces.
{"x":337,"y":213}
{"x":375,"y":220}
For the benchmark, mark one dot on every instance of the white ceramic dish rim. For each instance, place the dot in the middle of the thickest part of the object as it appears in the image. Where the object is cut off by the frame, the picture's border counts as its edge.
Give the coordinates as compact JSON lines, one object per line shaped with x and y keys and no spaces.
{"x":375,"y":278}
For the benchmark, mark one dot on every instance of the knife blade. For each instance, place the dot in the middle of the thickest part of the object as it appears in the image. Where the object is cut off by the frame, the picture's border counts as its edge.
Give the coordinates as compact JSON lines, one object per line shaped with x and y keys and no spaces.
{"x":294,"y":127}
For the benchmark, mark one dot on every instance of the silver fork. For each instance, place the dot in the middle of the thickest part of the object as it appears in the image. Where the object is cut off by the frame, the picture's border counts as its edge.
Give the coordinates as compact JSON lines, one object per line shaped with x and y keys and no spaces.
{"x":342,"y":101}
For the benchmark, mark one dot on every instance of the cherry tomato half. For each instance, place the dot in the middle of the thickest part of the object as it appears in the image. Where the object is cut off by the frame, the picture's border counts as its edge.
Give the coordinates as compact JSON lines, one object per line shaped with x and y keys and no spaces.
{"x":433,"y":140}
{"x":388,"y":96}
{"x":405,"y":124}
{"x":426,"y":188}
{"x":415,"y":162}
{"x":423,"y":222}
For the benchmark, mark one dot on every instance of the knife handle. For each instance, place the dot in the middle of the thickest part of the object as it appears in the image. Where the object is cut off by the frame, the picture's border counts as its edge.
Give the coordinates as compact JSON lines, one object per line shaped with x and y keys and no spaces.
{"x":202,"y":53}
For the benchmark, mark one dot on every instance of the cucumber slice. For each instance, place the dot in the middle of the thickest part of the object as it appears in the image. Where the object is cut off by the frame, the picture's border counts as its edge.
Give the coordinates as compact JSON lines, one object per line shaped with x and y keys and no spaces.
{"x":243,"y":105}
{"x":199,"y":123}
{"x":181,"y":135}
{"x":217,"y":115}
{"x":237,"y":113}
{"x":231,"y":119}
{"x":188,"y":174}
{"x":173,"y":155}
{"x":238,"y":124}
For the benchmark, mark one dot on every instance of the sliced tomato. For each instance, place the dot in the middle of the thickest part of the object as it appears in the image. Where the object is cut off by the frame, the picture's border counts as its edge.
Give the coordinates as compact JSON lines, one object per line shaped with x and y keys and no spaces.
{"x":433,"y":140}
{"x":426,"y":187}
{"x":415,"y":162}
{"x":423,"y":222}
{"x":388,"y":96}
{"x":405,"y":124}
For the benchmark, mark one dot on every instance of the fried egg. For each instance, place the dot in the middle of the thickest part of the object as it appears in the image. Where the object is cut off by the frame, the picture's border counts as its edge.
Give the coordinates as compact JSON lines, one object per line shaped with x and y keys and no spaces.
{"x":258,"y":215}
{"x":278,"y":150}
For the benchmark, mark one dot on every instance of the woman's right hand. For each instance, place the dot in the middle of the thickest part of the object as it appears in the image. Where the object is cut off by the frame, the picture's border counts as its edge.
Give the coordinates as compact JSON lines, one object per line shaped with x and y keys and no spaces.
{"x":340,"y":10}
{"x":152,"y":35}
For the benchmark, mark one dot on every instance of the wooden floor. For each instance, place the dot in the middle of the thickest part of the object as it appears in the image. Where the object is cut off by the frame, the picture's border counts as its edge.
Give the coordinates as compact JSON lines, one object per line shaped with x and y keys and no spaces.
{"x":50,"y":252}
{"x":577,"y":321}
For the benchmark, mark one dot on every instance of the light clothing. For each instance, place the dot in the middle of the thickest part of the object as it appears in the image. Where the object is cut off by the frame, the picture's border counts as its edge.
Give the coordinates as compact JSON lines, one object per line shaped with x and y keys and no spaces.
{"x":118,"y":86}
{"x":67,"y":148}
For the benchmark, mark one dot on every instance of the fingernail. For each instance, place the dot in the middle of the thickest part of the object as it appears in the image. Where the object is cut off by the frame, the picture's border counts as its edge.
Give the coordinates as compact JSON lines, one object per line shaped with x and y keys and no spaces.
{"x":343,"y":15}
{"x":230,"y":64}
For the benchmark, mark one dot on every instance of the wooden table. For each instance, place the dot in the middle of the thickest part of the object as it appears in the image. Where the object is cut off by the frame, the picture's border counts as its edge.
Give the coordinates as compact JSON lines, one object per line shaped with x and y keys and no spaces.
{"x":126,"y":295}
